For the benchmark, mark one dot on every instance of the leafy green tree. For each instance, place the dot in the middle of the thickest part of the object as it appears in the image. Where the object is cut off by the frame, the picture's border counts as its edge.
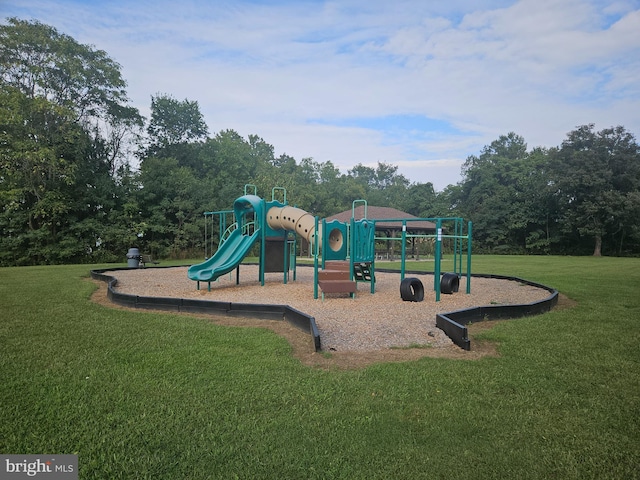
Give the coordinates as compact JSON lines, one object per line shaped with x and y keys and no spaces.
{"x":391,"y":186}
{"x":170,"y":204}
{"x":365,"y":176}
{"x":285,"y":164}
{"x":173,"y":124}
{"x":58,"y":161}
{"x":536,"y":216}
{"x":421,"y":200}
{"x":383,"y":185}
{"x":232,"y":162}
{"x":37,"y":140}
{"x":261,"y":151}
{"x":117,"y":136}
{"x":173,"y":178}
{"x":493,"y":194}
{"x":323,"y":187}
{"x":595,"y":178}
{"x":41,"y":62}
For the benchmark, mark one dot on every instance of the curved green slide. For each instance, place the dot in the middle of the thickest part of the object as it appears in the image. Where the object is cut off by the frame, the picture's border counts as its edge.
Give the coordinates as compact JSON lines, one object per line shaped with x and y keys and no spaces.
{"x":228,"y":257}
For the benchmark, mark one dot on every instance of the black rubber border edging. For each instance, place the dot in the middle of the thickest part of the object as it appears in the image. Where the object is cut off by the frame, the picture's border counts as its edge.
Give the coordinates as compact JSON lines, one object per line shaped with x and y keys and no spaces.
{"x":453,"y":323}
{"x":260,"y":311}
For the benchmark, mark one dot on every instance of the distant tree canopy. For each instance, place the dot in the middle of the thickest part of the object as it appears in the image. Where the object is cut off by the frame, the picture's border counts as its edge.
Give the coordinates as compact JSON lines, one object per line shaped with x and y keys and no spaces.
{"x":595,"y":182}
{"x":64,"y":122}
{"x":69,"y":191}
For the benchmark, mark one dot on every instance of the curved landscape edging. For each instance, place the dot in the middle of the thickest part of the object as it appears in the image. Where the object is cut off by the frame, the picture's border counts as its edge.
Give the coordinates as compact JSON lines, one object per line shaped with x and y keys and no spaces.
{"x":454,"y":324}
{"x":260,"y":311}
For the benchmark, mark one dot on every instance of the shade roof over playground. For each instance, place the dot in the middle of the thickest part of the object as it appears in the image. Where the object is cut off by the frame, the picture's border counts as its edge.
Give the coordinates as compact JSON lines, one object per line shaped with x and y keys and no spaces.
{"x":382,"y":216}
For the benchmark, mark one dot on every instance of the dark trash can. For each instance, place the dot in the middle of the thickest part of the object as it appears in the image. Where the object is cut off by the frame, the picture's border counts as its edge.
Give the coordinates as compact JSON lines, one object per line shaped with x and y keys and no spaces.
{"x":133,"y":258}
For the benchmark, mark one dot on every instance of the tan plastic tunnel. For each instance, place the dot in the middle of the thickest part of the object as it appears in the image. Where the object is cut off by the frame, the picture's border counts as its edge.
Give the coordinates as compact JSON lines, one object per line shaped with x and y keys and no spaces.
{"x":303,"y":223}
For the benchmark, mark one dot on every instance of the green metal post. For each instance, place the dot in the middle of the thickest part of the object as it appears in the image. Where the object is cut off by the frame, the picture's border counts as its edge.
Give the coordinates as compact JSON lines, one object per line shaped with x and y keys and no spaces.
{"x":436,"y":270}
{"x":403,"y":258}
{"x":205,"y":234}
{"x":285,"y":257}
{"x":315,"y":261}
{"x":293,"y":257}
{"x":456,"y":233}
{"x":324,"y":240}
{"x":223,"y":225}
{"x":352,"y":243}
{"x":263,"y":240}
{"x":469,"y":258}
{"x":373,"y":269}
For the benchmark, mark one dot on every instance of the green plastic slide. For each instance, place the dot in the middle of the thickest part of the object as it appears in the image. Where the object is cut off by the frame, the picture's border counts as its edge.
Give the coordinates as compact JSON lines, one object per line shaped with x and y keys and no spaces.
{"x":228,"y":257}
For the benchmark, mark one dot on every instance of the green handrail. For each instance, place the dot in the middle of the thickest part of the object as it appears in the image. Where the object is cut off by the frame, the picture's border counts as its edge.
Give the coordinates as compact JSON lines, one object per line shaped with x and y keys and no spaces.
{"x":247,"y":229}
{"x":284,"y":194}
{"x":353,"y":208}
{"x":225,"y":235}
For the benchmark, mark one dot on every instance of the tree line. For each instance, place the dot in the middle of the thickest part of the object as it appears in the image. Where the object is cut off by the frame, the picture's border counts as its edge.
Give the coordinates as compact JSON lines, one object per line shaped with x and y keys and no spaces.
{"x":69,"y":192}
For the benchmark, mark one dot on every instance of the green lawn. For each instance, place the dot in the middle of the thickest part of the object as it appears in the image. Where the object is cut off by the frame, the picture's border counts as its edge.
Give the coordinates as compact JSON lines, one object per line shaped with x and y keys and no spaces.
{"x":148,"y":395}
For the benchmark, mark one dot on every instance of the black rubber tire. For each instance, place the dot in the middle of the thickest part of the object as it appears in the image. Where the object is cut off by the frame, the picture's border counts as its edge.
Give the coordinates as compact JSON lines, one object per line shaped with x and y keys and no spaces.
{"x":449,"y":283}
{"x":411,"y":290}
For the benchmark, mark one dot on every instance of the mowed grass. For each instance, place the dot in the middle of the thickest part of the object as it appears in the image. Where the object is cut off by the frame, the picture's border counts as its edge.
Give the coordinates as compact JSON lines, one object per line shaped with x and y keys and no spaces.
{"x":147,"y":395}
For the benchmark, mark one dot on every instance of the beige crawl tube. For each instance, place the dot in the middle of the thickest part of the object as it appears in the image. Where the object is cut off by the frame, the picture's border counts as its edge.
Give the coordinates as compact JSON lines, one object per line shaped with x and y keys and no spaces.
{"x":303,"y":223}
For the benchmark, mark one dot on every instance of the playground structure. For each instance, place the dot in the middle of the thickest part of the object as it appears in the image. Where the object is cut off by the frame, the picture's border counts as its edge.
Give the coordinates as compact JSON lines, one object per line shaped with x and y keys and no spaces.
{"x":442,"y":282}
{"x":345,"y":245}
{"x":343,"y":253}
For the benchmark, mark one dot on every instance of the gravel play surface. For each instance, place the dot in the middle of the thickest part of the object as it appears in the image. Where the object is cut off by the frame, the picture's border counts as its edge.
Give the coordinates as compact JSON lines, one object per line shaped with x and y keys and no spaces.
{"x":366,"y":322}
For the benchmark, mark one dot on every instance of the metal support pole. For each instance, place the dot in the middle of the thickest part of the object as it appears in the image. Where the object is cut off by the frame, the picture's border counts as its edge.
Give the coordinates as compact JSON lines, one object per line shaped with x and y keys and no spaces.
{"x":315,"y":260}
{"x":403,"y":258}
{"x":352,"y":243}
{"x":325,"y":241}
{"x":373,"y":270}
{"x":263,"y":238}
{"x":285,"y":257}
{"x":469,"y":258}
{"x":436,"y":270}
{"x":205,"y":235}
{"x":293,"y":257}
{"x":456,"y":233}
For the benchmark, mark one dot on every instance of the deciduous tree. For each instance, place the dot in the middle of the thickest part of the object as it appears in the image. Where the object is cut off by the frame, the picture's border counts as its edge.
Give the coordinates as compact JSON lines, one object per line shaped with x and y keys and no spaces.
{"x":596,"y":180}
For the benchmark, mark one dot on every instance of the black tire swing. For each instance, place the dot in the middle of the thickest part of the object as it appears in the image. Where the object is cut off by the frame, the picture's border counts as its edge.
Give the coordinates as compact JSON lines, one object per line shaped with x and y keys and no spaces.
{"x":411,"y":290}
{"x":449,"y":283}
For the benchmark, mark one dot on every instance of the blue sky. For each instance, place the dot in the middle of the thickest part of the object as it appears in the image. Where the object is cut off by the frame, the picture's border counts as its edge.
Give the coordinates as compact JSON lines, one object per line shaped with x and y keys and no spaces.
{"x":417,"y":84}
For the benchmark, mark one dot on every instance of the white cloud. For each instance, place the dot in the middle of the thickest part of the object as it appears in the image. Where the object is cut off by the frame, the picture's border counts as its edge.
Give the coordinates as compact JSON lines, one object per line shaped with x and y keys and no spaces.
{"x":536,"y":67}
